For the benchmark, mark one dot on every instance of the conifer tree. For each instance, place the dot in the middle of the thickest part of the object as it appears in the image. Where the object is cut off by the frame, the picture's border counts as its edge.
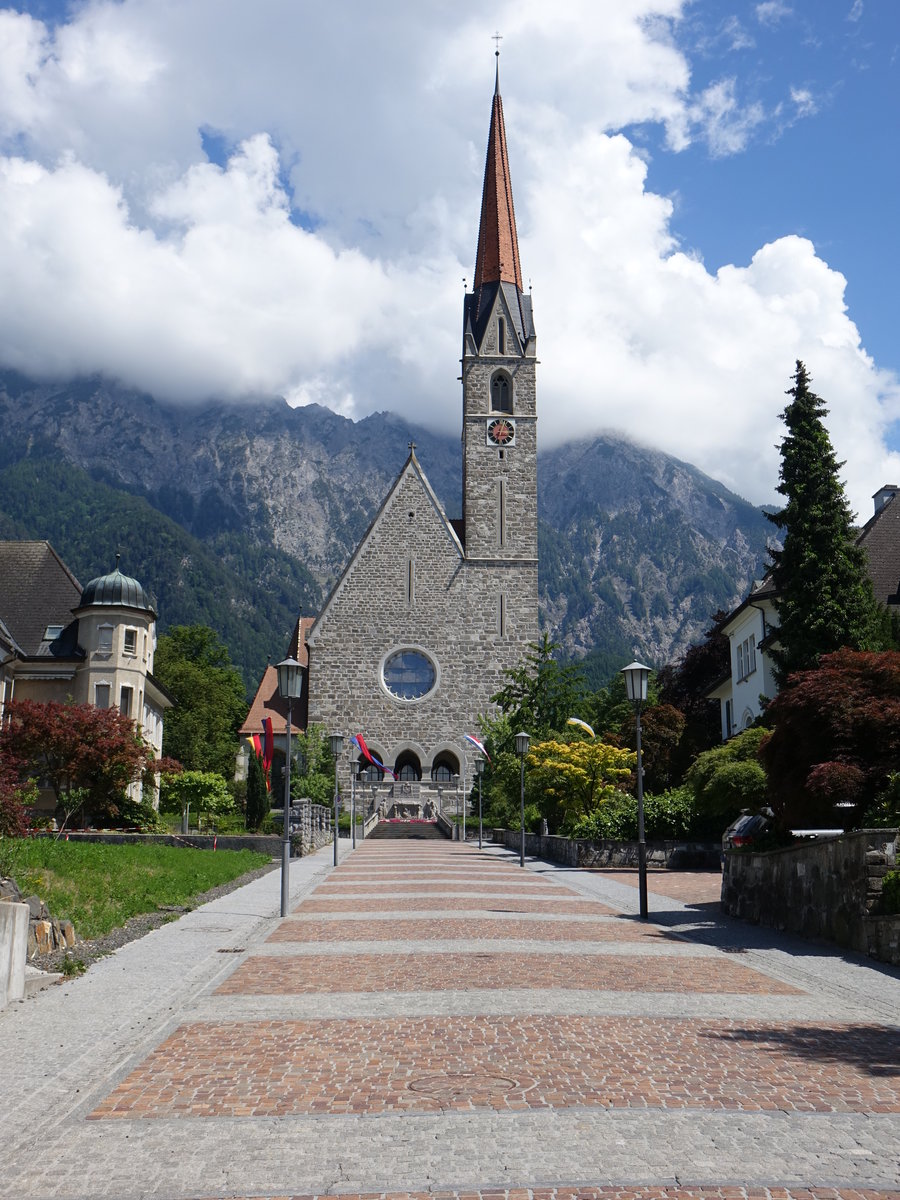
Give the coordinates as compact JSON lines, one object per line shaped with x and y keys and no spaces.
{"x":257,"y":794}
{"x":824,"y":595}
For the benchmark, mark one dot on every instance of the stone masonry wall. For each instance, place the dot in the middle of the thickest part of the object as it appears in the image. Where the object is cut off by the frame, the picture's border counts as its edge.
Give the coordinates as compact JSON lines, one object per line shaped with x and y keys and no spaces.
{"x":825,"y":889}
{"x":453,"y":617}
{"x":577,"y":852}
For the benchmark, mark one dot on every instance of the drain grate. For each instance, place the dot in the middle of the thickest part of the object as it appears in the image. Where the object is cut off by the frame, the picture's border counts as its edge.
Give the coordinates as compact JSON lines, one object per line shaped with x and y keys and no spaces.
{"x":231,"y":949}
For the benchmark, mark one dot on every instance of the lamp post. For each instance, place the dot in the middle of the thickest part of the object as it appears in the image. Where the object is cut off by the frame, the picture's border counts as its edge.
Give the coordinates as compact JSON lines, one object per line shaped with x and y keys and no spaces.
{"x":636,"y":676}
{"x":337,"y":745}
{"x":290,"y":686}
{"x":522,"y":741}
{"x":354,"y":767}
{"x":479,"y":771}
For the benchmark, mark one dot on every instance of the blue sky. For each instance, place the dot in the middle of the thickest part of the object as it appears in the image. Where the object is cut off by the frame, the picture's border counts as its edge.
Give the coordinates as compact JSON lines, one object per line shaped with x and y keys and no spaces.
{"x":241,"y":199}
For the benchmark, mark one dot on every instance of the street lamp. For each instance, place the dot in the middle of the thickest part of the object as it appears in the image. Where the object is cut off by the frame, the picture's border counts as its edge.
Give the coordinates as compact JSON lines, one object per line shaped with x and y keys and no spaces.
{"x":354,"y":769}
{"x":290,"y":686}
{"x":636,"y":676}
{"x":522,"y":741}
{"x":337,"y":745}
{"x":479,"y":771}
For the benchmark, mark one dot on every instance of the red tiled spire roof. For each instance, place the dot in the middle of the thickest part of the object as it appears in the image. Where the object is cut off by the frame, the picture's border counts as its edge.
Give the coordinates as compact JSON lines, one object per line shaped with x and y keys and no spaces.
{"x":497,"y":260}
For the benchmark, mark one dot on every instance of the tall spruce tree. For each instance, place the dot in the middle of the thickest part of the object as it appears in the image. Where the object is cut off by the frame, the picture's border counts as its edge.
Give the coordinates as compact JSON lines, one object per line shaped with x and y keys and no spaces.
{"x":257,"y":793}
{"x":824,"y":594}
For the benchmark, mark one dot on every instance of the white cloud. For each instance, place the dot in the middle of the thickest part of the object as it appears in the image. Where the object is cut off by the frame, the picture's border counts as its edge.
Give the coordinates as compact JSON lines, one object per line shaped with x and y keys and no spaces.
{"x":856,"y":11}
{"x":804,"y":102}
{"x":725,"y":125}
{"x":126,"y":252}
{"x":772,"y":12}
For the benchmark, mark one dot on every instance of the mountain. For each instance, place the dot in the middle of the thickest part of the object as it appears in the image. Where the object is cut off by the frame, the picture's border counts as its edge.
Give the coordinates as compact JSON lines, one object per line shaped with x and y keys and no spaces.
{"x":242,"y":516}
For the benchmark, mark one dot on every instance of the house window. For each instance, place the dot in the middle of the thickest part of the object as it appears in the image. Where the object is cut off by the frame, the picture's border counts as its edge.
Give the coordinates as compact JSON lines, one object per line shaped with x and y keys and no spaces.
{"x":104,"y":639}
{"x":126,"y":701}
{"x":501,"y":512}
{"x":746,"y":657}
{"x":501,"y":615}
{"x":130,"y":645}
{"x":101,"y":695}
{"x":501,"y":336}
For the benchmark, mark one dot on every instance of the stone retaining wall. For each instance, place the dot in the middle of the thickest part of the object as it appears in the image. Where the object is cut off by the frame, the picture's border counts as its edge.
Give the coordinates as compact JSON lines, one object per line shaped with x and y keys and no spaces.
{"x":830,"y":888}
{"x":578,"y":852}
{"x":265,"y":843}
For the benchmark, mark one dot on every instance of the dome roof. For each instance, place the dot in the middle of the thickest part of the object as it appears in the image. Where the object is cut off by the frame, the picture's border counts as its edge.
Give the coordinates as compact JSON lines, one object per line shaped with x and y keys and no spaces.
{"x":119,"y":590}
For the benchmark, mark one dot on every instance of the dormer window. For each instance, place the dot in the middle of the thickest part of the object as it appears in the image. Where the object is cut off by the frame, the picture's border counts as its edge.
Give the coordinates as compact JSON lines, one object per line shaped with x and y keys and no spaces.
{"x":52,"y":632}
{"x":501,"y":393}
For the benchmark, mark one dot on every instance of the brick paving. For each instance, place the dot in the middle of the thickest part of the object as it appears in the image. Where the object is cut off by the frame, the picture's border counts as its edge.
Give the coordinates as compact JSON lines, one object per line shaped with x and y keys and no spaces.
{"x":416,"y":972}
{"x":479,"y":928}
{"x":494,"y":901}
{"x":432,"y":1022}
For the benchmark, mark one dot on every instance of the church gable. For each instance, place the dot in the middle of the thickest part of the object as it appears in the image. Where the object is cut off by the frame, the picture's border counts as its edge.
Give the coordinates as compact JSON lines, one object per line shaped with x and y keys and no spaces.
{"x":409,"y":539}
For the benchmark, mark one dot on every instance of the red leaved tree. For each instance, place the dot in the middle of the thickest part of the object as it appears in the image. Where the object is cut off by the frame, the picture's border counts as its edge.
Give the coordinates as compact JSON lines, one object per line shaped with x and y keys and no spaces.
{"x":836,"y":739}
{"x":87,"y":755}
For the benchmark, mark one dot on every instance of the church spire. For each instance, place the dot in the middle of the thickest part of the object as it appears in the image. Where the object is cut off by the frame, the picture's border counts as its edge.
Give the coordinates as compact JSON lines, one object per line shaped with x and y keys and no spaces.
{"x":497,"y":259}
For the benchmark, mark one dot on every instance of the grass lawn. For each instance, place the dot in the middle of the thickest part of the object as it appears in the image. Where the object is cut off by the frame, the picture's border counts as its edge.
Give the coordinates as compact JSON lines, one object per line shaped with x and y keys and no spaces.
{"x":98,"y":887}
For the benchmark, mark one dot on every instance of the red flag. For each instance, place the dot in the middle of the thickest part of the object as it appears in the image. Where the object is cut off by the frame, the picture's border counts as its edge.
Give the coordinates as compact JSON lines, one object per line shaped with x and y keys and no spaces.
{"x":257,"y":744}
{"x":269,"y":749}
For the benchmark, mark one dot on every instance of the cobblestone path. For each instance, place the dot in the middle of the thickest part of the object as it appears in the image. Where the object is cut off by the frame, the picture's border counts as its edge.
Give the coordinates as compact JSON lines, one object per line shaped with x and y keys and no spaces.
{"x":432,"y":1021}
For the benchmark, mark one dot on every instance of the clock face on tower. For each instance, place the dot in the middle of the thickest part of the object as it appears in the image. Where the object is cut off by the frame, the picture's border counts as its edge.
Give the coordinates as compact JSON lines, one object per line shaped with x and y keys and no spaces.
{"x":501,"y":432}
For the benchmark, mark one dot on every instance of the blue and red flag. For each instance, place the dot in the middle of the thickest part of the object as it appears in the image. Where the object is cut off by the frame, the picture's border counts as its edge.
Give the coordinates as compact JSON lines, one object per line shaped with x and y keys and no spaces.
{"x":478,"y":744}
{"x":360,"y":742}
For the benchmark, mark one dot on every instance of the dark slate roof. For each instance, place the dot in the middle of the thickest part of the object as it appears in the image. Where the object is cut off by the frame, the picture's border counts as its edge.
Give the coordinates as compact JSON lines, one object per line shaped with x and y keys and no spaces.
{"x":881,"y":538}
{"x":478,"y":307}
{"x":117,"y":590}
{"x":37,"y":590}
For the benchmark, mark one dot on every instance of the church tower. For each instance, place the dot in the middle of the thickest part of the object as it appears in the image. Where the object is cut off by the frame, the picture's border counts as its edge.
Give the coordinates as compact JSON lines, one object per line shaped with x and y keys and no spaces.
{"x":498,"y":378}
{"x":429,"y":614}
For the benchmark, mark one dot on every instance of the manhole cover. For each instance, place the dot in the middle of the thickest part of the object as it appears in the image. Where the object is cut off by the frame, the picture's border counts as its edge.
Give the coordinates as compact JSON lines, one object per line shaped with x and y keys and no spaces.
{"x":447,"y":1087}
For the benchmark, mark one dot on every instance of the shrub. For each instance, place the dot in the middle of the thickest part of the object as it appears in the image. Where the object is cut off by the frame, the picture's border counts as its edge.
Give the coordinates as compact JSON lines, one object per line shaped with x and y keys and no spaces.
{"x":890,"y":893}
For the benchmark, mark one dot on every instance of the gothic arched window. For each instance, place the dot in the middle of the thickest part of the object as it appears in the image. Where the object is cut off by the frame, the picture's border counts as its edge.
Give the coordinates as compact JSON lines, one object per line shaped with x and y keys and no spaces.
{"x":407,"y":766}
{"x":501,"y":393}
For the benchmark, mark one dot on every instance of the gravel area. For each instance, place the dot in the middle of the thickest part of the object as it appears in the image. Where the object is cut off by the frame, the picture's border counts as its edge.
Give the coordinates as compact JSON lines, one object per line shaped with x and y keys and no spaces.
{"x":89,"y":950}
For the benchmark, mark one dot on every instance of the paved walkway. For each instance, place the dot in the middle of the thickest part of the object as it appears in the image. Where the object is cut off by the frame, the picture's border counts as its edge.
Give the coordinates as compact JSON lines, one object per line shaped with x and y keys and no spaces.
{"x":432,"y":1020}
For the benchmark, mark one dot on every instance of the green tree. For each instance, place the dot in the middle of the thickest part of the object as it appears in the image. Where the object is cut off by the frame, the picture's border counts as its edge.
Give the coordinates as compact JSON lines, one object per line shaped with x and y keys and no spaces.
{"x":200,"y":731}
{"x":541,"y":694}
{"x":257,"y":793}
{"x":727,"y":779}
{"x":312,"y":772}
{"x":824,"y":595}
{"x":196,"y":791}
{"x":573,"y":777}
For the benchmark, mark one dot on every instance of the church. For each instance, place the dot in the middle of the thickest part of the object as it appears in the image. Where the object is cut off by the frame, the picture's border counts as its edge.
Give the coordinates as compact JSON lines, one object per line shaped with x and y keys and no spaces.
{"x":416,"y":634}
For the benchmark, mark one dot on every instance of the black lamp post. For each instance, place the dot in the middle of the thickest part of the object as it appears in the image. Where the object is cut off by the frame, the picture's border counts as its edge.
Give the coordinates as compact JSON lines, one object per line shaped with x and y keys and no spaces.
{"x":290,"y":686}
{"x":522,"y":742}
{"x":337,"y":745}
{"x":636,"y":676}
{"x":479,"y":771}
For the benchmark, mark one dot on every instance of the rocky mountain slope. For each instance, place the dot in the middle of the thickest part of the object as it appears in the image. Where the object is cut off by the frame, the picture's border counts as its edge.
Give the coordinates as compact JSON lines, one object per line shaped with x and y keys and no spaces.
{"x":244,"y":515}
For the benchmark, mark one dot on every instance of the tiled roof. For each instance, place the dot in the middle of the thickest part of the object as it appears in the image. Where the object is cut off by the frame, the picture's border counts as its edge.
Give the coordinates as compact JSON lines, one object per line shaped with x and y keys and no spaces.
{"x":36,"y":590}
{"x":881,"y":538}
{"x":267,"y":702}
{"x":497,"y":258}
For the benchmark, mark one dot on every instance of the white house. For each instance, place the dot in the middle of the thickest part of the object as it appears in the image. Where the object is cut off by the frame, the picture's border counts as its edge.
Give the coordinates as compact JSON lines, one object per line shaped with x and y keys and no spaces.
{"x":752,"y":627}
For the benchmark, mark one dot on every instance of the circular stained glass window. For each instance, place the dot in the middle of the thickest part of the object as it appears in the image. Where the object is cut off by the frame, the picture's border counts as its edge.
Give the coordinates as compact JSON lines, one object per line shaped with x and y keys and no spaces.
{"x":409,"y":674}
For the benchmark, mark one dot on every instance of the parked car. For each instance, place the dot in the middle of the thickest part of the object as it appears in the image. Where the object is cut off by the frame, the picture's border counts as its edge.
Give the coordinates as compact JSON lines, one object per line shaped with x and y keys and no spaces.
{"x":744,"y":830}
